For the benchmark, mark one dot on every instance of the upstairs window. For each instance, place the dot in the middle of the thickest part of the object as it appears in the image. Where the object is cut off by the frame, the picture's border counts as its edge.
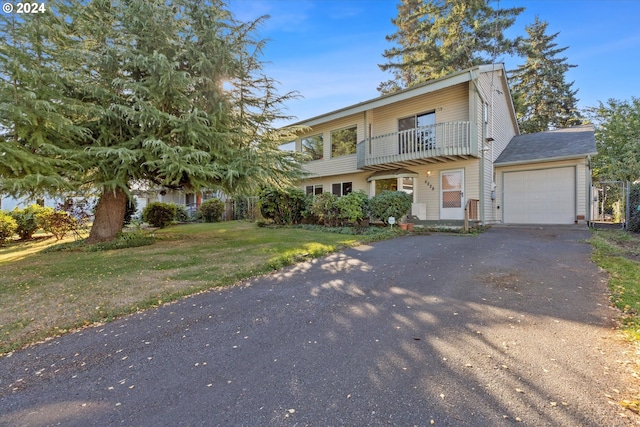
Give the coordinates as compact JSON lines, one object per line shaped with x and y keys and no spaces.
{"x":289,"y":146}
{"x":313,"y":146}
{"x":344,"y":141}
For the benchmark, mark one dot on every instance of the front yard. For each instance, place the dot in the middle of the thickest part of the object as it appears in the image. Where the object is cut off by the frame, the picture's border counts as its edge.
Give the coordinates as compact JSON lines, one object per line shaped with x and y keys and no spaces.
{"x":44,"y":294}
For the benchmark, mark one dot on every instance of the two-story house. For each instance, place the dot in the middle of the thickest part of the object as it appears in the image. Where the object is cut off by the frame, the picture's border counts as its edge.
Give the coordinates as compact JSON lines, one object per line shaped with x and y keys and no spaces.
{"x":438,"y":141}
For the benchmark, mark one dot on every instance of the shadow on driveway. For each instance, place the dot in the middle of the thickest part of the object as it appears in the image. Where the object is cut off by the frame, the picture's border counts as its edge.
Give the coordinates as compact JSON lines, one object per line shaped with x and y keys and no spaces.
{"x":511,"y":327}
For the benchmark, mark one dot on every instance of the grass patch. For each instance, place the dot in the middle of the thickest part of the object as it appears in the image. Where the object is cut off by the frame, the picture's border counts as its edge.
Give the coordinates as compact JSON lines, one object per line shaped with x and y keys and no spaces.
{"x":49,"y":288}
{"x":618,"y":252}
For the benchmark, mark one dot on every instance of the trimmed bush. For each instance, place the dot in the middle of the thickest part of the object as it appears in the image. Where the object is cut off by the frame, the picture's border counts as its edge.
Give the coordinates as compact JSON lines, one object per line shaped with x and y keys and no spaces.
{"x":8,"y":227}
{"x":27,"y":221}
{"x":390,"y":203}
{"x":159,"y":214}
{"x":353,"y":208}
{"x":324,"y":208}
{"x":283,"y":206}
{"x":58,"y":223}
{"x":211,"y":210}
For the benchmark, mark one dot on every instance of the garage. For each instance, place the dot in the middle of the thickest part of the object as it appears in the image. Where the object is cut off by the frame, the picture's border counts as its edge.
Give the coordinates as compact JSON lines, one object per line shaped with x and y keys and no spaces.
{"x":545,"y":177}
{"x":546,"y":196}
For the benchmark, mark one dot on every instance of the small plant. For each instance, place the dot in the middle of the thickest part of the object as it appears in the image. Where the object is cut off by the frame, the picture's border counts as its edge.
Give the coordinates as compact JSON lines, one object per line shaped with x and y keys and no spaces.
{"x":58,"y":223}
{"x":390,"y":203}
{"x":27,"y":221}
{"x":8,"y":227}
{"x":211,"y":210}
{"x":159,"y":214}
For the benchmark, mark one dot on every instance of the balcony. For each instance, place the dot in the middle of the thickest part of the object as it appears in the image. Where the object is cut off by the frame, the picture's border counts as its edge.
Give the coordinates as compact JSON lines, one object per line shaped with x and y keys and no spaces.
{"x":441,"y":142}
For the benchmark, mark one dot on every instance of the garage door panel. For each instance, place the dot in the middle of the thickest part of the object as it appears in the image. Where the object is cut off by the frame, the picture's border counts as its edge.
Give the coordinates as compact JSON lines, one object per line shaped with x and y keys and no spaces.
{"x":544,"y":196}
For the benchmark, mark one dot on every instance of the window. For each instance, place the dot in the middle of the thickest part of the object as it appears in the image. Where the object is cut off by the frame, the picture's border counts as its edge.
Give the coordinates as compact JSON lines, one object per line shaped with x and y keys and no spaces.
{"x":344,"y":141}
{"x":341,"y":188}
{"x":289,"y":146}
{"x":389,"y":184}
{"x":417,"y":133}
{"x":313,"y":146}
{"x":313,"y":190}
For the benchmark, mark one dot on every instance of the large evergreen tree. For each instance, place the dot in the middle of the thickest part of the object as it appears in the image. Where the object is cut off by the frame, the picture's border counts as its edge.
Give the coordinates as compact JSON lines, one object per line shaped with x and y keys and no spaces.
{"x":439,"y":37}
{"x":100,"y":94}
{"x":542,"y":97}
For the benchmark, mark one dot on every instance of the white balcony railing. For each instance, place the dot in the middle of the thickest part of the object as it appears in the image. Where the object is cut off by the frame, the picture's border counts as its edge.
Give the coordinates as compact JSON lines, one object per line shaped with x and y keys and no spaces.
{"x":442,"y":139}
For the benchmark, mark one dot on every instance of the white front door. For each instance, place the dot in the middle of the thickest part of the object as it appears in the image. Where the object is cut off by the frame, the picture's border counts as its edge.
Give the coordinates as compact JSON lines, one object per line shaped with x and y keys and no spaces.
{"x":452,"y":194}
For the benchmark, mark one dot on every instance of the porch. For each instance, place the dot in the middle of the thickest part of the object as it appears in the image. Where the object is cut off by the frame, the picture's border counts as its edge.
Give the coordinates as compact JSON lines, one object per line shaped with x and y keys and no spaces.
{"x":440,"y":142}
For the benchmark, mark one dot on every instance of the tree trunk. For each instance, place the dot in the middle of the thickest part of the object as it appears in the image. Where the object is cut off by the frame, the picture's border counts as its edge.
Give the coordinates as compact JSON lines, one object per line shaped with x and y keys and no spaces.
{"x":109,"y":218}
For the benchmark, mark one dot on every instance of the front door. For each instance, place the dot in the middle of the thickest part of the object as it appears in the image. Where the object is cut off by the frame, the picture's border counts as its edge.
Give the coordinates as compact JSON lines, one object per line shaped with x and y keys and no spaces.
{"x":452,"y":194}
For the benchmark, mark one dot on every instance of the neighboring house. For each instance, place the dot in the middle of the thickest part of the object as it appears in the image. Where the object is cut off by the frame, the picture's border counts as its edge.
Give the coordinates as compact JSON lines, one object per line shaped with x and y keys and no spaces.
{"x":8,"y":203}
{"x":439,"y":141}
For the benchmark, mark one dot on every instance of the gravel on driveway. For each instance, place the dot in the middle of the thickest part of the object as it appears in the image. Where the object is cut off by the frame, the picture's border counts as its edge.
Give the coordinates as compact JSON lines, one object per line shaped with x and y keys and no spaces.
{"x":510,"y":327}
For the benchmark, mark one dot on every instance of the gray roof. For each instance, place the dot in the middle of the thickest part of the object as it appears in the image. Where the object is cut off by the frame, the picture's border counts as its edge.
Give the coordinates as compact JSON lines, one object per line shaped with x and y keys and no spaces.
{"x":568,"y":143}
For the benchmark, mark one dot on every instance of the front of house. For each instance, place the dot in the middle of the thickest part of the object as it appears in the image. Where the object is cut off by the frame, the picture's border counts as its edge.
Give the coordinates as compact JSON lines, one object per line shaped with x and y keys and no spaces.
{"x":439,"y":141}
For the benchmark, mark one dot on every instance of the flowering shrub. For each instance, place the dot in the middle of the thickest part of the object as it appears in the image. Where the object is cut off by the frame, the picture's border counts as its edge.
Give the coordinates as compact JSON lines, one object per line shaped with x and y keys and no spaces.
{"x":8,"y":227}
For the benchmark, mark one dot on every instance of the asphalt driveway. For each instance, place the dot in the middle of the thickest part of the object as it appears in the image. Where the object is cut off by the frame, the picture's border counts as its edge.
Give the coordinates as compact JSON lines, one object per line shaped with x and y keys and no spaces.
{"x":511,"y":327}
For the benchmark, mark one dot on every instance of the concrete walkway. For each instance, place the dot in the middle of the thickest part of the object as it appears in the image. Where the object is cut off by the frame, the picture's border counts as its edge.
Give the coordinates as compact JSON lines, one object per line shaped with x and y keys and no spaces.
{"x":511,"y":327}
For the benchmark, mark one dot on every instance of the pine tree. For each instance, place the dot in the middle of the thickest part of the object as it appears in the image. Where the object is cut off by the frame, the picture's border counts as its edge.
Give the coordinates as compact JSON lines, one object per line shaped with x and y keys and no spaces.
{"x":438,"y":37}
{"x":542,"y":98}
{"x":108,"y":92}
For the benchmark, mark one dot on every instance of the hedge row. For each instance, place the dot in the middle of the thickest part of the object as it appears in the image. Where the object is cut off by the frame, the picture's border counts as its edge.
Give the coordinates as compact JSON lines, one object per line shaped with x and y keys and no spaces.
{"x":160,"y":214}
{"x":291,"y":206}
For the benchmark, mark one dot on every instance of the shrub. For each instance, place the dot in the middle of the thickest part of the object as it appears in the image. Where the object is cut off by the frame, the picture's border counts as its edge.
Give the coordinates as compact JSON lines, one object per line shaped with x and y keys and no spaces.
{"x":8,"y":227}
{"x":159,"y":214}
{"x":27,"y":221}
{"x":282,"y":206}
{"x":353,"y":208}
{"x":182,"y":215}
{"x":211,"y":210}
{"x":390,"y":203}
{"x":58,"y":223}
{"x":324,"y":207}
{"x":82,"y":210}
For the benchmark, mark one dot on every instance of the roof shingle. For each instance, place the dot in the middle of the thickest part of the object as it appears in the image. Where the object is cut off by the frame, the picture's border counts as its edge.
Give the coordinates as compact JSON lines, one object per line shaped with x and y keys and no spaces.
{"x":573,"y":142}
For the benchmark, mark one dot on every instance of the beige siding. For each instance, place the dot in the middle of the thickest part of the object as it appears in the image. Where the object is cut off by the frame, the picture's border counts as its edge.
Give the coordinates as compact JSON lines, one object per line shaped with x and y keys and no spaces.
{"x":450,"y":105}
{"x":339,"y":165}
{"x":583,"y":181}
{"x":428,"y":186}
{"x":501,"y":126}
{"x":359,"y":181}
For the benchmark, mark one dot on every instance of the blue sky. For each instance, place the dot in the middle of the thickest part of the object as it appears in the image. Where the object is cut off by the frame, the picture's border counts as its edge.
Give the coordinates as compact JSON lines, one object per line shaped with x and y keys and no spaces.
{"x":329,"y":50}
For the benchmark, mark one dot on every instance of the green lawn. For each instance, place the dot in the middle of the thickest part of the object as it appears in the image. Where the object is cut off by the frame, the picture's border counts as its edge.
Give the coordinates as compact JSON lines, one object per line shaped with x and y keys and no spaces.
{"x":618,"y":253}
{"x":44,"y":294}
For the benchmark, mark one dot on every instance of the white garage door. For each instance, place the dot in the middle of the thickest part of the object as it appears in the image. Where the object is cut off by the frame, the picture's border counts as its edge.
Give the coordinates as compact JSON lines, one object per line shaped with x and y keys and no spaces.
{"x":544,"y":196}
